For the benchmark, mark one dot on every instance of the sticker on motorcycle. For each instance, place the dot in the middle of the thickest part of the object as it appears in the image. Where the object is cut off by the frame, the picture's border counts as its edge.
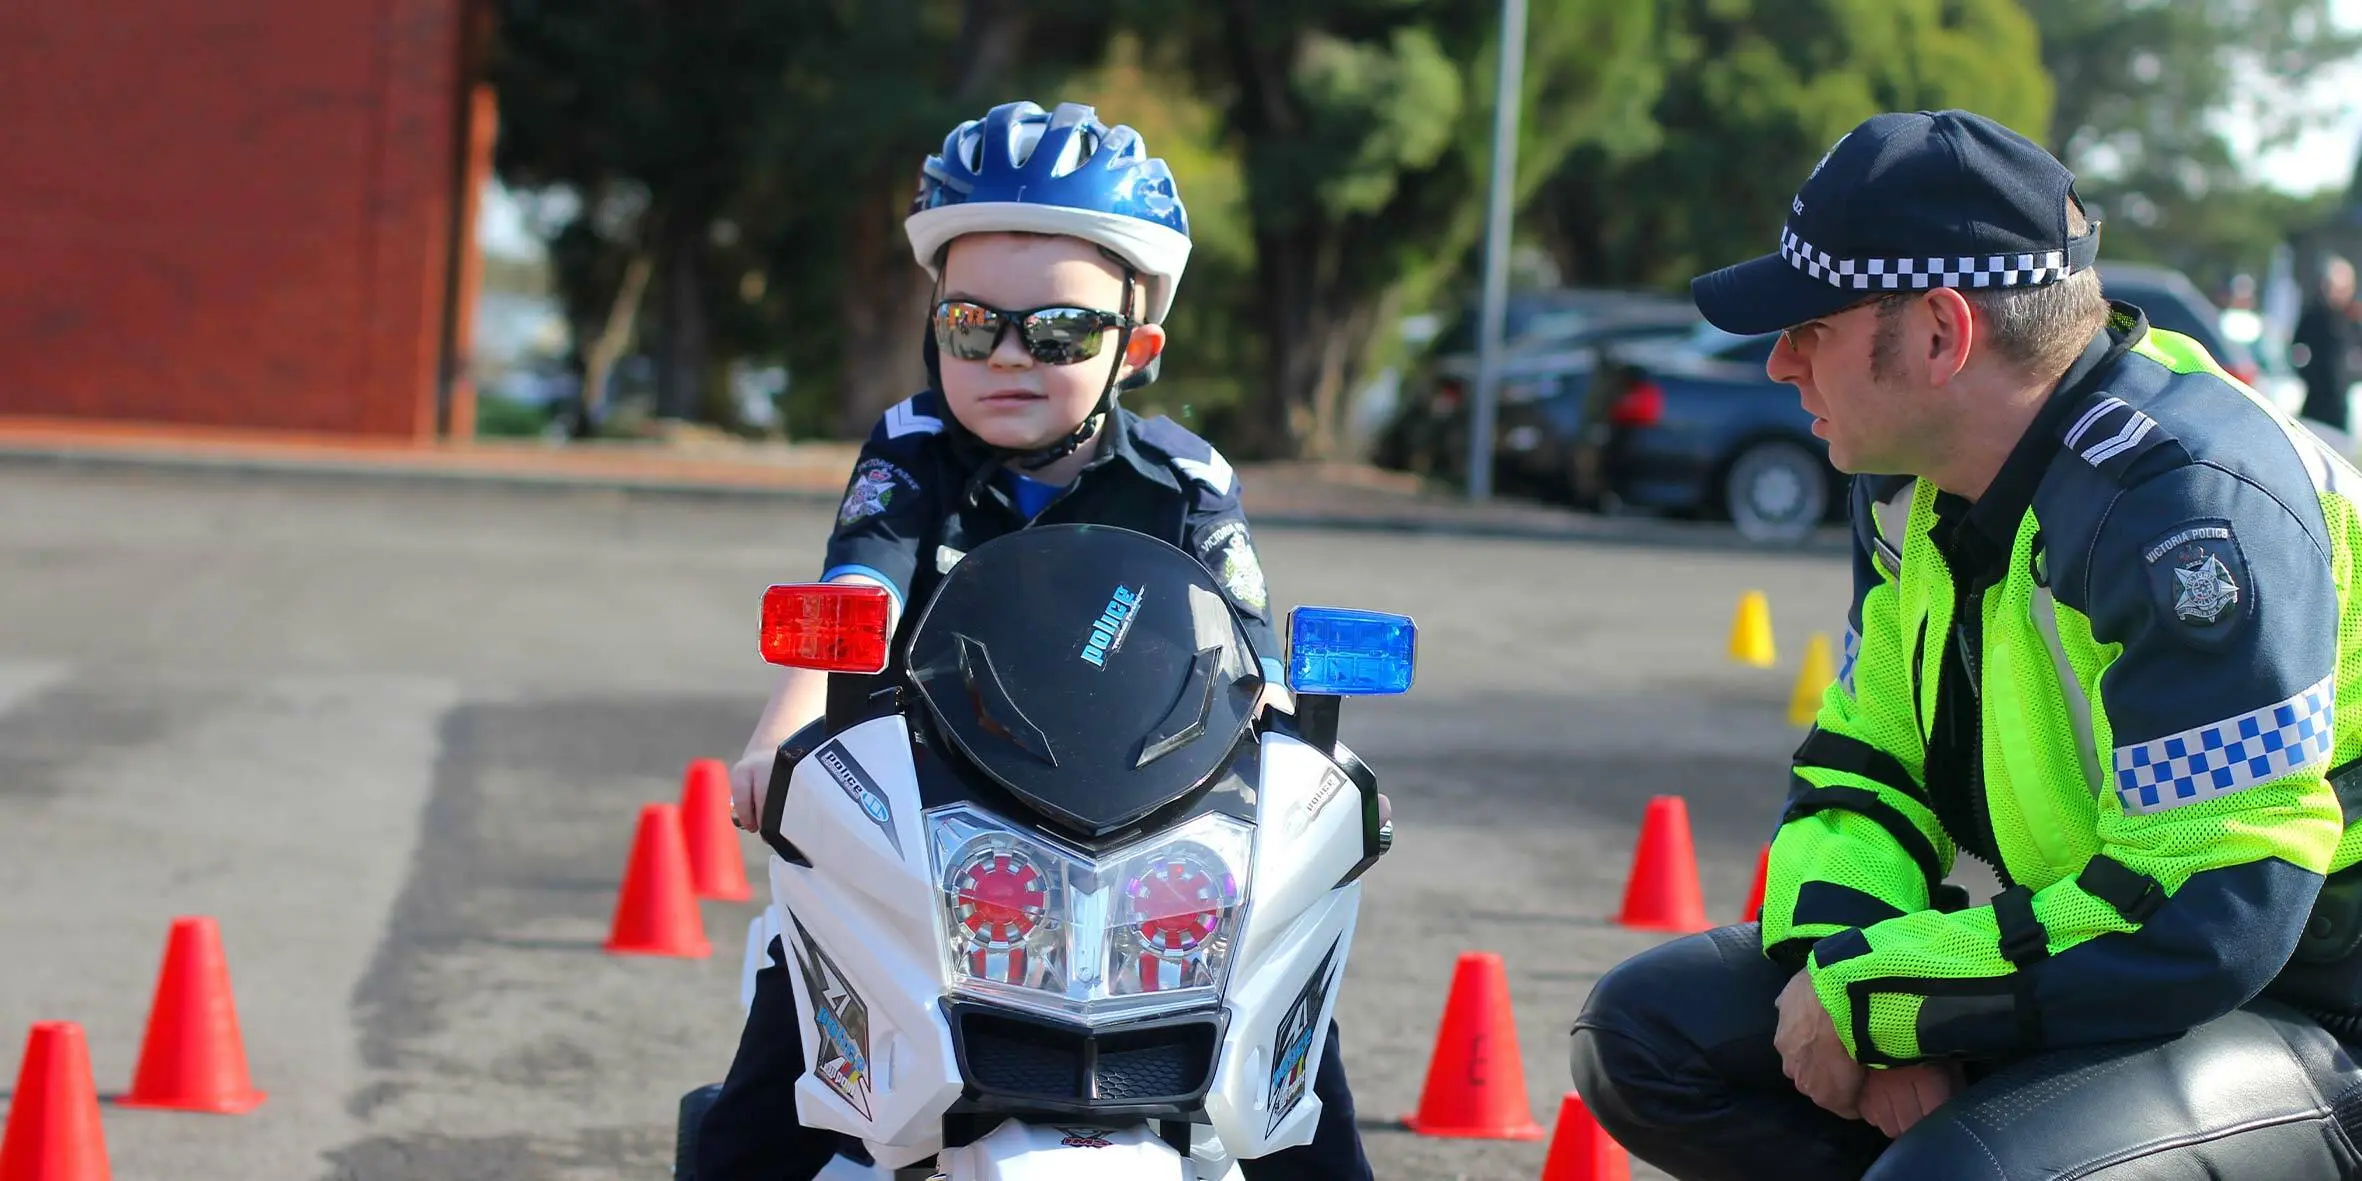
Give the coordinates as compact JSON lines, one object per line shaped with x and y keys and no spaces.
{"x":1331,"y":782}
{"x":1085,"y":1138}
{"x":841,"y":1020}
{"x":1291,"y":1045}
{"x":1114,"y":623}
{"x":860,"y":788}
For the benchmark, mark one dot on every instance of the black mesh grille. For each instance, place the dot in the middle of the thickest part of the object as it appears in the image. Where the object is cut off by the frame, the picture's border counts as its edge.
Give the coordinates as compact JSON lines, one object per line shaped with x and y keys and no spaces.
{"x":1014,"y":1059}
{"x":1149,"y":1072}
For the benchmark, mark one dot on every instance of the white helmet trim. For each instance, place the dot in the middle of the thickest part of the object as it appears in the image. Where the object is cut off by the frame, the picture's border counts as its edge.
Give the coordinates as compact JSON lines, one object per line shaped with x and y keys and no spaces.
{"x":1159,"y":253}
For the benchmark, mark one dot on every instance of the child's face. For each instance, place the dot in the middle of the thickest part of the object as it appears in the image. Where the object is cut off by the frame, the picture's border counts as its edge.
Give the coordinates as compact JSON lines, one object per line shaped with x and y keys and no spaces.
{"x":1010,"y":399}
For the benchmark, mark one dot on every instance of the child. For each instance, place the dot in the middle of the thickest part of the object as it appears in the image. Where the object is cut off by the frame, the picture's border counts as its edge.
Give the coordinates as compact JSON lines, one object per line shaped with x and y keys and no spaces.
{"x":1055,"y":243}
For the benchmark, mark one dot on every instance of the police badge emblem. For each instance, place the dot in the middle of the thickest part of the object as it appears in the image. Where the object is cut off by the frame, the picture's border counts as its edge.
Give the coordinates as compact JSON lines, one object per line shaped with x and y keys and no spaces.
{"x":2206,"y":590}
{"x":871,"y":490}
{"x":1231,"y":558}
{"x":2198,"y":575}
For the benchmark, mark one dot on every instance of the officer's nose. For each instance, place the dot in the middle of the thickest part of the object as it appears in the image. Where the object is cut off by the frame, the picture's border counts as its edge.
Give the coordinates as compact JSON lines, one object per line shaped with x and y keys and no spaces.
{"x":1786,"y":362}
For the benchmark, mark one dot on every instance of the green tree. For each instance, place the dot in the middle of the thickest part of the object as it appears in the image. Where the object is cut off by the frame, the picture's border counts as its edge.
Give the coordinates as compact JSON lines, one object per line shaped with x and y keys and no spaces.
{"x":651,"y":112}
{"x":872,"y":88}
{"x":1211,"y":350}
{"x":756,"y":157}
{"x":1363,"y":130}
{"x":1758,"y":91}
{"x":2141,"y":87}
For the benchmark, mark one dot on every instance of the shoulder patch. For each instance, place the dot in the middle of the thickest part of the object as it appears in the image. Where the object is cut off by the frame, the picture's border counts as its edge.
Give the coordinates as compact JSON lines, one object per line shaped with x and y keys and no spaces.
{"x":2199,"y":580}
{"x":911,"y":417}
{"x":874,"y":486}
{"x":1230,"y":557}
{"x":2111,"y":435}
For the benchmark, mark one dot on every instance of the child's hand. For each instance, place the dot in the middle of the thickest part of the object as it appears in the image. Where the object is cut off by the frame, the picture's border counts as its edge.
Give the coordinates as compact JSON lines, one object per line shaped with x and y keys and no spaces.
{"x":749,"y":780}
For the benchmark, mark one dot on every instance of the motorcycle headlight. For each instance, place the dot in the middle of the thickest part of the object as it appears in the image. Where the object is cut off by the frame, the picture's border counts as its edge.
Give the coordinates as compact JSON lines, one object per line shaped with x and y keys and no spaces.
{"x":1147,"y":927}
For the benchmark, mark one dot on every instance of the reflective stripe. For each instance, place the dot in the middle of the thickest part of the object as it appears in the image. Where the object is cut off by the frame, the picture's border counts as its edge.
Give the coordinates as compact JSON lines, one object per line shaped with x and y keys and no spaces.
{"x":1213,"y":471}
{"x":2206,"y":761}
{"x":1893,"y":517}
{"x":2087,"y":743}
{"x":903,"y":418}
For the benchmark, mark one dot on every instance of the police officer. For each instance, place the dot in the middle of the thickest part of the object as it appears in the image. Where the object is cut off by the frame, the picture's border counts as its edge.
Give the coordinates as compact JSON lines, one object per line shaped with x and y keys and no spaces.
{"x":2097,"y":640}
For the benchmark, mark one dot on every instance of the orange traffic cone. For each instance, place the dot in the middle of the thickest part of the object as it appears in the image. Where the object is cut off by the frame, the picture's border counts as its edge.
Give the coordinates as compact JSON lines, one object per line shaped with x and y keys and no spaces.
{"x":1754,"y":908}
{"x":656,"y":911}
{"x":1476,"y":1080}
{"x":717,"y":870}
{"x":1662,"y":894}
{"x":193,"y":1058}
{"x":1580,"y":1150}
{"x":53,"y":1126}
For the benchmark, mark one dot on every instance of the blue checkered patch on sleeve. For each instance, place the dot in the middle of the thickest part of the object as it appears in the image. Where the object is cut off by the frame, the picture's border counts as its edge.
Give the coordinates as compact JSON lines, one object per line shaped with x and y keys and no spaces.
{"x":2225,"y":756}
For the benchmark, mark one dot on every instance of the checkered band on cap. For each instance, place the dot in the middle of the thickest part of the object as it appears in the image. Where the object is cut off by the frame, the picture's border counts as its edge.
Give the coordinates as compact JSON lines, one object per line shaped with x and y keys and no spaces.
{"x":1896,"y":274}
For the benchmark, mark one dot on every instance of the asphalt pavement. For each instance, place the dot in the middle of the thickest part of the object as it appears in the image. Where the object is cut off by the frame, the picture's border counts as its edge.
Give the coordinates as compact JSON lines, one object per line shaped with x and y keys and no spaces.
{"x":393,"y":739}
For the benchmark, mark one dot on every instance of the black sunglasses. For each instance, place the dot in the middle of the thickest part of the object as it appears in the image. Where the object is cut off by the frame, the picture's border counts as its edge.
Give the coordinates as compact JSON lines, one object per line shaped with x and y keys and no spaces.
{"x":970,"y":330}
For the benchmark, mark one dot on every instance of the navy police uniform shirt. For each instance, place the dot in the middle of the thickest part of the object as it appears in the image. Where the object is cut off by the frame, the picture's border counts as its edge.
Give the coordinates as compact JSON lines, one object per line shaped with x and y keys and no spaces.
{"x":914,"y":506}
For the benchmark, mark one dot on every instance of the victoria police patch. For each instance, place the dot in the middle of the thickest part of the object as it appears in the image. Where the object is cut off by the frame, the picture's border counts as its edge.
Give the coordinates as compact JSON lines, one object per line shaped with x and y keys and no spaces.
{"x":1228,"y":553}
{"x":2198,"y":578}
{"x":872,"y":489}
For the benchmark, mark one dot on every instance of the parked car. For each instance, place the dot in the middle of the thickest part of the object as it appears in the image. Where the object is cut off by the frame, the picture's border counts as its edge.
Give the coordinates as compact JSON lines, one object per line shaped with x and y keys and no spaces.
{"x":2175,"y":304}
{"x":1695,"y":427}
{"x":1698,"y":428}
{"x":1547,"y":337}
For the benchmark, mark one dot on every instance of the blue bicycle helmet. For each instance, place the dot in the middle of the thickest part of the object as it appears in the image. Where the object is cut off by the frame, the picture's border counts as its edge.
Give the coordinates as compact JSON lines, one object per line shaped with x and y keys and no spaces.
{"x":1023,"y":169}
{"x":1055,"y":172}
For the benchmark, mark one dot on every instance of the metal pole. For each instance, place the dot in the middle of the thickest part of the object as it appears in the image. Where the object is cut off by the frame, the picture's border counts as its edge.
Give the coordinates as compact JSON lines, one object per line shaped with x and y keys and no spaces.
{"x":1507,"y":95}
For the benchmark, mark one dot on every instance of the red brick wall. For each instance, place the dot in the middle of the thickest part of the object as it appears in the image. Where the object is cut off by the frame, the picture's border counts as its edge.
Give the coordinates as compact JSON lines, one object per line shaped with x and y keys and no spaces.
{"x":230,"y":213}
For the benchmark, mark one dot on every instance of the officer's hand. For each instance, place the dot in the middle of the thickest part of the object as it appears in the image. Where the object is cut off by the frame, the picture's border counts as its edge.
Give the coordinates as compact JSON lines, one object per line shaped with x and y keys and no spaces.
{"x":749,"y":780}
{"x":1810,"y":1053}
{"x":1895,"y":1099}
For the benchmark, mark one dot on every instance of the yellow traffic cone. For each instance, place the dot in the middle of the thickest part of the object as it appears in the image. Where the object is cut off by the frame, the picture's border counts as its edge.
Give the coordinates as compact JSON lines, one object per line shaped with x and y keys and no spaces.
{"x":1751,"y":632}
{"x":1812,"y":681}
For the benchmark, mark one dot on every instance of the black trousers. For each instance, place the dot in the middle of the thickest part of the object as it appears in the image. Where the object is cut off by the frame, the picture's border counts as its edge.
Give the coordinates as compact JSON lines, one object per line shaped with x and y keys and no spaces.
{"x":751,"y":1132}
{"x":1673,"y":1053}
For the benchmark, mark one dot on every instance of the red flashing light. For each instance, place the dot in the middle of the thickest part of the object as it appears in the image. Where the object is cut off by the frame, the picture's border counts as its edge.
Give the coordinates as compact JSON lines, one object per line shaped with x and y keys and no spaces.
{"x":833,"y":627}
{"x":1641,"y":405}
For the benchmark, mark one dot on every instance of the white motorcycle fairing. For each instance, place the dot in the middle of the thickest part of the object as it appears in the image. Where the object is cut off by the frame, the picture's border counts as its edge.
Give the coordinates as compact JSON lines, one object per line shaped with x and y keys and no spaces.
{"x":859,"y":928}
{"x":1018,"y":1151}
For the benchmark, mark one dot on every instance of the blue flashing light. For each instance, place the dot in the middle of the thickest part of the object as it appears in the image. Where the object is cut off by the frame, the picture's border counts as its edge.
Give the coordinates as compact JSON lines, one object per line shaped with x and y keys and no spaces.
{"x":1341,"y":651}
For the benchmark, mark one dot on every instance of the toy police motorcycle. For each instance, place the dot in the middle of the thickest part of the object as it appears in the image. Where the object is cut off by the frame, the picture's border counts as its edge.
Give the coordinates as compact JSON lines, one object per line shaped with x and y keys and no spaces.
{"x":1059,"y":901}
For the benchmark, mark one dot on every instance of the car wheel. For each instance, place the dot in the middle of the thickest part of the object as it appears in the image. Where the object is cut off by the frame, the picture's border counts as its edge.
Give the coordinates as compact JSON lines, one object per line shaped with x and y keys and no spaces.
{"x":1776,"y":492}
